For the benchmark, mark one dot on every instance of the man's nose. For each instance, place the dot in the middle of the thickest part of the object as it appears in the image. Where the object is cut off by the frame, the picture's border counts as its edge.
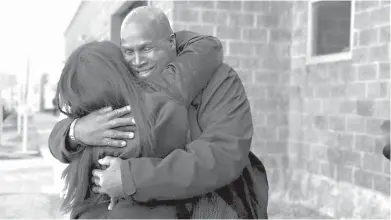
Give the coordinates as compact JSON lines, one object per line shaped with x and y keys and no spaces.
{"x":138,"y":60}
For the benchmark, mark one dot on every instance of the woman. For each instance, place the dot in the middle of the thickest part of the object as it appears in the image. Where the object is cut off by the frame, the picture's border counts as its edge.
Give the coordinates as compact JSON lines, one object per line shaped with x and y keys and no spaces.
{"x":95,"y":76}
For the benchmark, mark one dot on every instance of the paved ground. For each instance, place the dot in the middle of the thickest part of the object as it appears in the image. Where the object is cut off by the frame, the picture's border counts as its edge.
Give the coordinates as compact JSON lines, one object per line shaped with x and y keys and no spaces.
{"x":27,"y":188}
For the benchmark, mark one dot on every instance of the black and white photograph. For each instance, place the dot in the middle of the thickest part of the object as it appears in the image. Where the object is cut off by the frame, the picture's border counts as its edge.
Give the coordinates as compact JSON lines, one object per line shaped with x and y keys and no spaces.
{"x":187,"y":109}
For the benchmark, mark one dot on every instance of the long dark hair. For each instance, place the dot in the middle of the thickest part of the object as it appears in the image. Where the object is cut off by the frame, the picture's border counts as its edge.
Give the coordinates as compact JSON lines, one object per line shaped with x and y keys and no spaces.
{"x":95,"y":76}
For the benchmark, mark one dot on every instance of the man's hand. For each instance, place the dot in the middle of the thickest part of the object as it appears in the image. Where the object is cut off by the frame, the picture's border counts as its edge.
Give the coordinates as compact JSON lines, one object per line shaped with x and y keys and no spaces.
{"x":99,"y":127}
{"x":109,"y":181}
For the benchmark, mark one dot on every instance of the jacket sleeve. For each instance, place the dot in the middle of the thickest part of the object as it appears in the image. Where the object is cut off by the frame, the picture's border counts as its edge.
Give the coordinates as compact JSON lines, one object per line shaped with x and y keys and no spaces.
{"x":170,"y":132}
{"x":199,"y":56}
{"x":214,"y":160}
{"x":58,"y":143}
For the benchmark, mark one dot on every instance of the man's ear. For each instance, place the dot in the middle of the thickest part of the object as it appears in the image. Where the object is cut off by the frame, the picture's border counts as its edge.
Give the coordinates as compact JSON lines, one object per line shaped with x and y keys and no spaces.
{"x":172,"y":41}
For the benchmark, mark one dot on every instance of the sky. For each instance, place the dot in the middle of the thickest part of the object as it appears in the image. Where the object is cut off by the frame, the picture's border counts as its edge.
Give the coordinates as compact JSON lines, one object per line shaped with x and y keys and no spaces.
{"x":34,"y":28}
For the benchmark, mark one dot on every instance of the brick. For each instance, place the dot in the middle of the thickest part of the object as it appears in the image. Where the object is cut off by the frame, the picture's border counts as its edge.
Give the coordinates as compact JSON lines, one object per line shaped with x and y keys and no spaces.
{"x":312,"y":106}
{"x":345,"y":141}
{"x":360,"y":55}
{"x":275,"y":120}
{"x":322,"y":92}
{"x":216,"y":18}
{"x":378,"y":90}
{"x":334,"y":155}
{"x":382,"y":109}
{"x":344,"y":173}
{"x":262,"y":7}
{"x":321,"y":122}
{"x":280,"y":35}
{"x":250,"y":63}
{"x":245,"y":76}
{"x":380,"y":15}
{"x":338,"y":91}
{"x":382,"y":184}
{"x":347,"y":107}
{"x":368,"y":37}
{"x":365,"y":143}
{"x":242,"y":20}
{"x":365,"y":107}
{"x":327,"y":170}
{"x":373,"y":126}
{"x":201,"y":4}
{"x":186,"y":15}
{"x":203,"y":29}
{"x":318,"y":152}
{"x":384,"y":70}
{"x":233,"y":61}
{"x":223,"y":32}
{"x":355,"y":124}
{"x":363,"y":178}
{"x":330,"y":106}
{"x":313,"y":167}
{"x":356,"y":90}
{"x":266,"y":77}
{"x":379,"y":53}
{"x":276,"y":147}
{"x":298,"y":49}
{"x":266,"y":133}
{"x":265,"y":105}
{"x":372,"y":163}
{"x":255,"y":35}
{"x":337,"y":123}
{"x":366,"y":72}
{"x":267,"y":21}
{"x":384,"y":34}
{"x":229,"y":5}
{"x":283,"y":133}
{"x":240,"y":48}
{"x":386,"y":166}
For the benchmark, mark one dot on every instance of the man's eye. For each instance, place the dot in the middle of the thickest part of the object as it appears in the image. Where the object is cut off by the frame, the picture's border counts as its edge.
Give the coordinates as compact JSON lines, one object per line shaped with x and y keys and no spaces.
{"x":128,"y":51}
{"x":147,"y":49}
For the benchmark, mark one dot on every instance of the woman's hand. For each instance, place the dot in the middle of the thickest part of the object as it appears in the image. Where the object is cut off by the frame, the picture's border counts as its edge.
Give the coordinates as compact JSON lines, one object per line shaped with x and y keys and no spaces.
{"x":100,"y":128}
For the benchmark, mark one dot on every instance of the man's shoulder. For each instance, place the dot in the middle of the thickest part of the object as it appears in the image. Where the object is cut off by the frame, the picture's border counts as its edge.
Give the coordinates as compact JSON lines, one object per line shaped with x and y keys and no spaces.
{"x":223,"y":73}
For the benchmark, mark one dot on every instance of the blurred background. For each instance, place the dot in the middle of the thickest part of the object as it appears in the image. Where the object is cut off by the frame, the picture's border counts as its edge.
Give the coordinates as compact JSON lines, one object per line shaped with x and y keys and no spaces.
{"x":317,"y":74}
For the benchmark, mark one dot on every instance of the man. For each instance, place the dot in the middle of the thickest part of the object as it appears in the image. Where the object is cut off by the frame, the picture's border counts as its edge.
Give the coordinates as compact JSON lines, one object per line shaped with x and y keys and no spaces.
{"x":217,"y":161}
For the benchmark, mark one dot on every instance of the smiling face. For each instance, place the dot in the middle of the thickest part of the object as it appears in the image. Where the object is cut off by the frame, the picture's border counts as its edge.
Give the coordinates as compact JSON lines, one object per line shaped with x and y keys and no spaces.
{"x":147,"y":47}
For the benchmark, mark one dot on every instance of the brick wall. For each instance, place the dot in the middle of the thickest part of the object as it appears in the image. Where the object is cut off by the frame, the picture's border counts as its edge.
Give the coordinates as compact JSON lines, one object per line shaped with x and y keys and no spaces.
{"x":335,"y":114}
{"x":316,"y":126}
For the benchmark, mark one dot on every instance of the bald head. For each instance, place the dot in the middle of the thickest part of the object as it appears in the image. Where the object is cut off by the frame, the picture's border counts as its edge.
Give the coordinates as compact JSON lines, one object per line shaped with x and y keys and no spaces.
{"x":147,"y":41}
{"x":153,"y":20}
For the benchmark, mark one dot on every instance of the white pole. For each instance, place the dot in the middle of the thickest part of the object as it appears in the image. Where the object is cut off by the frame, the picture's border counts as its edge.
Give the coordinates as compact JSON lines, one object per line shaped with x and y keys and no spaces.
{"x":1,"y":117}
{"x":20,"y":104}
{"x":26,"y":93}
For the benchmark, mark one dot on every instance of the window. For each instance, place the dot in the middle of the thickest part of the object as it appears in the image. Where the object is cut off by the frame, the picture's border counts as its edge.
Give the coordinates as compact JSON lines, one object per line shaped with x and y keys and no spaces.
{"x":330,"y":27}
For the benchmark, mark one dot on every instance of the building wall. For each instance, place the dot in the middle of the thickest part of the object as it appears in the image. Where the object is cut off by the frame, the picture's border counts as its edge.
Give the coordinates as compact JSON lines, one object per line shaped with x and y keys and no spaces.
{"x":336,"y":110}
{"x":316,"y":126}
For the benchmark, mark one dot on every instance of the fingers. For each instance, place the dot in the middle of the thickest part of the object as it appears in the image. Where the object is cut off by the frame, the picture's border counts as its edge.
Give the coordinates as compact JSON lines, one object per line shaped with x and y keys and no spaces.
{"x":95,"y":180}
{"x":118,"y":112}
{"x":106,"y":160}
{"x":97,"y":173}
{"x":105,"y":110}
{"x":122,"y":135}
{"x":112,"y":143}
{"x":119,"y":122}
{"x":130,"y":128}
{"x":97,"y":189}
{"x":113,"y":202}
